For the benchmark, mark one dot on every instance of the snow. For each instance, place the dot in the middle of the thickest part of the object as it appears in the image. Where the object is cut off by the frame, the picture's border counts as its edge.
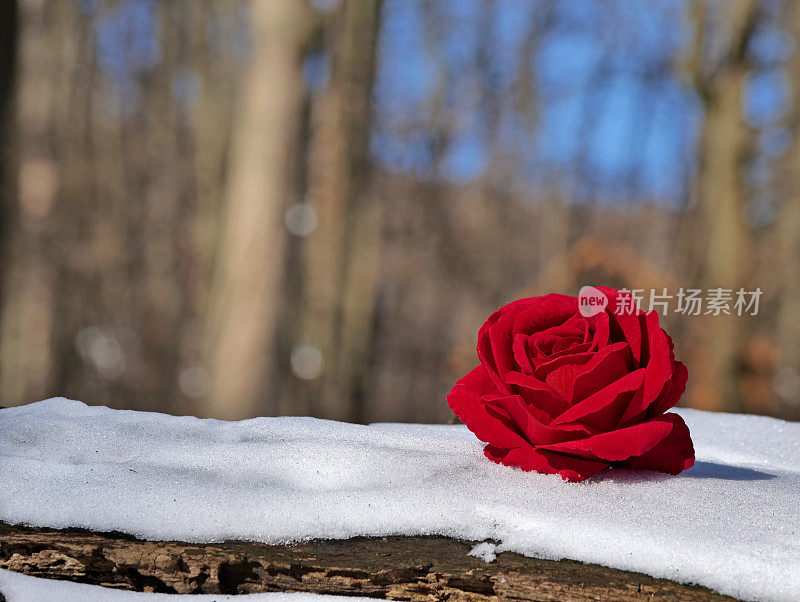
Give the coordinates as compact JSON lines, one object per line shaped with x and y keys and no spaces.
{"x":486,"y":551}
{"x":22,"y":588}
{"x":730,"y":523}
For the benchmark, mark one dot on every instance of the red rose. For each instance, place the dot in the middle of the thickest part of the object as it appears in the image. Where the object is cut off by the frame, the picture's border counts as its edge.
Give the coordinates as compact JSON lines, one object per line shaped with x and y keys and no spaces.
{"x":559,"y":392}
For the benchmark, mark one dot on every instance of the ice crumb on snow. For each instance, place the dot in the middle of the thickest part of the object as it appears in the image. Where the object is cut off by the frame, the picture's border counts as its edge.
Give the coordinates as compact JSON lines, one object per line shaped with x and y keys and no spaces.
{"x":729,"y":523}
{"x":485,"y":551}
{"x":22,"y":588}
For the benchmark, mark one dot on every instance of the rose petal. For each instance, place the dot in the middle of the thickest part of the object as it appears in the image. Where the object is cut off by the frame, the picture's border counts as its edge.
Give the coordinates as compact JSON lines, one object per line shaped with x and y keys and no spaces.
{"x":502,"y":342}
{"x":624,"y":326}
{"x":465,"y":401}
{"x":619,"y":445}
{"x":538,"y":394}
{"x":538,"y":413}
{"x":534,"y":430}
{"x":608,"y":365}
{"x":530,"y":459}
{"x":569,"y":345}
{"x":520,"y":350}
{"x":599,"y":331}
{"x":562,"y":379}
{"x":545,"y":312}
{"x":659,"y":370}
{"x":602,"y":410}
{"x":672,"y":391}
{"x":543,"y":367}
{"x":485,"y":345}
{"x":674,"y":454}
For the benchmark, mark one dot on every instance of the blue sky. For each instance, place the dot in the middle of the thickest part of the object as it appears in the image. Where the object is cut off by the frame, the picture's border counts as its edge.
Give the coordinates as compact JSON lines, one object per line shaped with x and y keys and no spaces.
{"x":611,"y":120}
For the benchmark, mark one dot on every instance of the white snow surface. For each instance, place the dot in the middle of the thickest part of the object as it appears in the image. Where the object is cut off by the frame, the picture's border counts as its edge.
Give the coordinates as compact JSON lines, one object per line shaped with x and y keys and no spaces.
{"x":486,"y":551}
{"x":731,"y":523}
{"x":22,"y":588}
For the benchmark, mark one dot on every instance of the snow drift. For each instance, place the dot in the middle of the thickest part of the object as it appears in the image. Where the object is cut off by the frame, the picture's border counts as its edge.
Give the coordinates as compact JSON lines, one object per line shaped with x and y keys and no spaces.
{"x":730,"y":523}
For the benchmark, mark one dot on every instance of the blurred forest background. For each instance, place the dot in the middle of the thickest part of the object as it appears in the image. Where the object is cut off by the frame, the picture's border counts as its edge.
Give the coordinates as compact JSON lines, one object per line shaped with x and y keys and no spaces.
{"x":239,"y":208}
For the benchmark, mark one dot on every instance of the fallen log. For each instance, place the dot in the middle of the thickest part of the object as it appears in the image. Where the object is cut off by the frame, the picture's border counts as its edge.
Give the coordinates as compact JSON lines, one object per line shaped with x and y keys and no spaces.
{"x":397,"y":568}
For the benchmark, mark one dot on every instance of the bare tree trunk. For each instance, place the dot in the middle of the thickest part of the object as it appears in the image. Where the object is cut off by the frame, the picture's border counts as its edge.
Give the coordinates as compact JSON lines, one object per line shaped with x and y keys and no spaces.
{"x":339,"y":258}
{"x":25,"y":345}
{"x":721,"y":235}
{"x":245,"y":291}
{"x":9,"y":26}
{"x":788,"y":241}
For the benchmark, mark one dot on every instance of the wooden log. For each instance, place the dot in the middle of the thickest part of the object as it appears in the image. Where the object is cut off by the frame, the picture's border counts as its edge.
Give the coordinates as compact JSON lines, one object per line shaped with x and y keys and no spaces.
{"x":396,"y":568}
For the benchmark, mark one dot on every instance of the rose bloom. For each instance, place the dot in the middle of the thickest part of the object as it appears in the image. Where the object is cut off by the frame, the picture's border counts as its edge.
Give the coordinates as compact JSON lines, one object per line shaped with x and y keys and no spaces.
{"x":561,"y":393}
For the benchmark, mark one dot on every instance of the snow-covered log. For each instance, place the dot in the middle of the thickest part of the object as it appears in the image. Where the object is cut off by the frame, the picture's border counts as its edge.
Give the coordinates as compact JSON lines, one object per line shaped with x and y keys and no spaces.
{"x":729,"y":523}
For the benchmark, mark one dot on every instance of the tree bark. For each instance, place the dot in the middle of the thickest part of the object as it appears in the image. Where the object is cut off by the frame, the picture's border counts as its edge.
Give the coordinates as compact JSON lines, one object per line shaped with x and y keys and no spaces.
{"x":245,"y":291}
{"x":788,"y":244}
{"x":720,"y":236}
{"x":9,"y":26}
{"x":338,"y":260}
{"x":397,"y":568}
{"x":26,"y":362}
